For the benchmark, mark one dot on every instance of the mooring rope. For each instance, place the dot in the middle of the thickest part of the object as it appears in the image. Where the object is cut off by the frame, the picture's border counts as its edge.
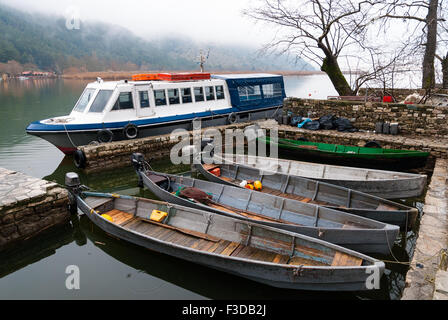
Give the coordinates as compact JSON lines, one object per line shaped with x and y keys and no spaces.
{"x":443,"y":253}
{"x":68,"y":135}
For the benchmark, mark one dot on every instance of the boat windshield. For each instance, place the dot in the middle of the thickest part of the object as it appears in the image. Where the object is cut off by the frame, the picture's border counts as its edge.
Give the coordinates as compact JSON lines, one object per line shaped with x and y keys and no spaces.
{"x":101,"y":100}
{"x":84,"y":100}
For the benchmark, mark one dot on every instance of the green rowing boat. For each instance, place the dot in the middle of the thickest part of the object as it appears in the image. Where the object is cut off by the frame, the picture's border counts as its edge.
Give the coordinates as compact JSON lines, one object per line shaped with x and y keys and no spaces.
{"x":351,"y":155}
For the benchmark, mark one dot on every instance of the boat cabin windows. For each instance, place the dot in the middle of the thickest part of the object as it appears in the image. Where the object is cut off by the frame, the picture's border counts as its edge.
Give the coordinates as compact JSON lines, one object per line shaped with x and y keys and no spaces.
{"x":100,"y":101}
{"x":219,"y":92}
{"x":247,"y":93}
{"x":272,"y":90}
{"x":173,"y":96}
{"x":124,"y":101}
{"x":198,"y":94}
{"x":144,"y":99}
{"x":209,"y":93}
{"x":160,"y":97}
{"x":186,"y":95}
{"x":84,"y":100}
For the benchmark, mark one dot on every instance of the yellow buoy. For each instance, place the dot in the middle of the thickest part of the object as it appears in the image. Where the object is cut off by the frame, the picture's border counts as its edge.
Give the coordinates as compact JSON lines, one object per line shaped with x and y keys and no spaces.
{"x":258,"y":186}
{"x":107,"y":217}
{"x":249,"y":186}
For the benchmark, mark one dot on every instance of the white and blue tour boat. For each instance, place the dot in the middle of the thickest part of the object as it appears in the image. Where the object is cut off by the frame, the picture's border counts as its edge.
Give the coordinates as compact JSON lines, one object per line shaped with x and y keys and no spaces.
{"x":156,"y":104}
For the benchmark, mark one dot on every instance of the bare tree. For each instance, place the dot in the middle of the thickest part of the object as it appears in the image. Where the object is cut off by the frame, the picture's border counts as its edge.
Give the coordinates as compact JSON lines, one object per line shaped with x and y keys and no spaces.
{"x":443,"y":46}
{"x":426,"y":16}
{"x":318,"y":30}
{"x":444,"y":62}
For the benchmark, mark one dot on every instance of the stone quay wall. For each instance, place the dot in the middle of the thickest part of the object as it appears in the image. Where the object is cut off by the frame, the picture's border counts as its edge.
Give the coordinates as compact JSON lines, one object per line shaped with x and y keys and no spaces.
{"x":28,"y":206}
{"x":108,"y":156}
{"x":117,"y":154}
{"x":427,"y":278}
{"x":422,"y":120}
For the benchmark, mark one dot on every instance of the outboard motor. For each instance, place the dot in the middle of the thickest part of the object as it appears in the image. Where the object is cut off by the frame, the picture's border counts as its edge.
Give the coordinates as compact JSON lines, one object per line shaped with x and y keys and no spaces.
{"x":74,"y":188}
{"x":138,"y":161}
{"x":207,"y":149}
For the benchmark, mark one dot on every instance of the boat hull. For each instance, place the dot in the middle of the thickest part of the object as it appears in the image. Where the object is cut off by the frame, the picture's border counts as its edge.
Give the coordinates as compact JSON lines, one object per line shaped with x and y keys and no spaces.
{"x":367,"y":240}
{"x":68,"y":140}
{"x":401,"y":160}
{"x":316,"y":278}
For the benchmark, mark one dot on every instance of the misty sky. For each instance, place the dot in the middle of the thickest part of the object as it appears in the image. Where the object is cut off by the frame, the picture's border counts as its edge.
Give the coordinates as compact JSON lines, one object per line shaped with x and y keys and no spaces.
{"x":219,"y":21}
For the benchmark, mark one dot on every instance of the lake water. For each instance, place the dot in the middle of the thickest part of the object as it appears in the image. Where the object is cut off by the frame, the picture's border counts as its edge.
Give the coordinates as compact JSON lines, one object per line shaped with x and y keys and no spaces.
{"x":110,"y":268}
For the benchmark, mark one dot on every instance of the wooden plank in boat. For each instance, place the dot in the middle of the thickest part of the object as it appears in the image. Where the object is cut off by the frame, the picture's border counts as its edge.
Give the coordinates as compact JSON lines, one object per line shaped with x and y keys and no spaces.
{"x":186,"y":231}
{"x":134,"y":225}
{"x":118,"y":216}
{"x":220,"y":207}
{"x":156,"y":232}
{"x":190,"y":241}
{"x":246,"y":252}
{"x":165,"y":236}
{"x":343,"y":259}
{"x":280,"y":258}
{"x":306,"y":200}
{"x":196,"y":244}
{"x":156,"y":178}
{"x":247,"y":214}
{"x":237,"y":250}
{"x":181,"y":239}
{"x":230,"y":248}
{"x":209,"y":167}
{"x":222,"y":245}
{"x":385,"y":207}
{"x":204,"y":245}
{"x":263,"y":255}
{"x":208,"y":246}
{"x":95,"y":202}
{"x":305,"y":262}
{"x":214,"y":247}
{"x":142,"y":228}
{"x":271,"y":191}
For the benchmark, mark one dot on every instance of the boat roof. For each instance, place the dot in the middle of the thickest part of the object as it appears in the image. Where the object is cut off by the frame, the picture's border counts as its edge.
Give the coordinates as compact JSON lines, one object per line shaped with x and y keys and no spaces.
{"x":244,"y":76}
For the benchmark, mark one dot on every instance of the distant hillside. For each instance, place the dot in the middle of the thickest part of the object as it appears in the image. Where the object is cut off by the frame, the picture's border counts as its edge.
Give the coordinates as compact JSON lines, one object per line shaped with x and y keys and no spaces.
{"x":44,"y":42}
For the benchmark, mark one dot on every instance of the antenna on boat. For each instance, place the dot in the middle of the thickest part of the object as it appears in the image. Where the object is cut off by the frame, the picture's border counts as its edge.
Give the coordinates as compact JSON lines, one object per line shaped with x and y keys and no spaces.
{"x":203,"y":59}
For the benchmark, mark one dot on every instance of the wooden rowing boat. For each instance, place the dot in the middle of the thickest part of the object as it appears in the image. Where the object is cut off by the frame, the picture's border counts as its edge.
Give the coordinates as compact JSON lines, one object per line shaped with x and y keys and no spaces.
{"x":349,"y":155}
{"x":315,"y":192}
{"x":338,"y":227}
{"x":380,"y":183}
{"x":267,"y":255}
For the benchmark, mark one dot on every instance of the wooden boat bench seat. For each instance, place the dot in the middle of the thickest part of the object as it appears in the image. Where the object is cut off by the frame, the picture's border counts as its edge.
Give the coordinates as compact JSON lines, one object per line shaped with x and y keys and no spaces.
{"x":343,"y":259}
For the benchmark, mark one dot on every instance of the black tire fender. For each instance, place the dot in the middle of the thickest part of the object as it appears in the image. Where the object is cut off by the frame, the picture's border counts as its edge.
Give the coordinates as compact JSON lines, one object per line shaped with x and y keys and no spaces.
{"x":130,"y":131}
{"x":232,"y":118}
{"x":79,"y":158}
{"x":105,"y":136}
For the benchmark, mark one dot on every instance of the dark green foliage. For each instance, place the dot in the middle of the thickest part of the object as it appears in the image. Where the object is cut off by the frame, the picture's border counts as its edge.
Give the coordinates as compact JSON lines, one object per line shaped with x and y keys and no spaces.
{"x":46,"y":42}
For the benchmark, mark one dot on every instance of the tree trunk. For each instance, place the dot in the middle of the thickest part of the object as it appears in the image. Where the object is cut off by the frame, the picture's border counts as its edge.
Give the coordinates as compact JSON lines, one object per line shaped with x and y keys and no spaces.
{"x":429,"y":79}
{"x":331,"y":67}
{"x":445,"y":72}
